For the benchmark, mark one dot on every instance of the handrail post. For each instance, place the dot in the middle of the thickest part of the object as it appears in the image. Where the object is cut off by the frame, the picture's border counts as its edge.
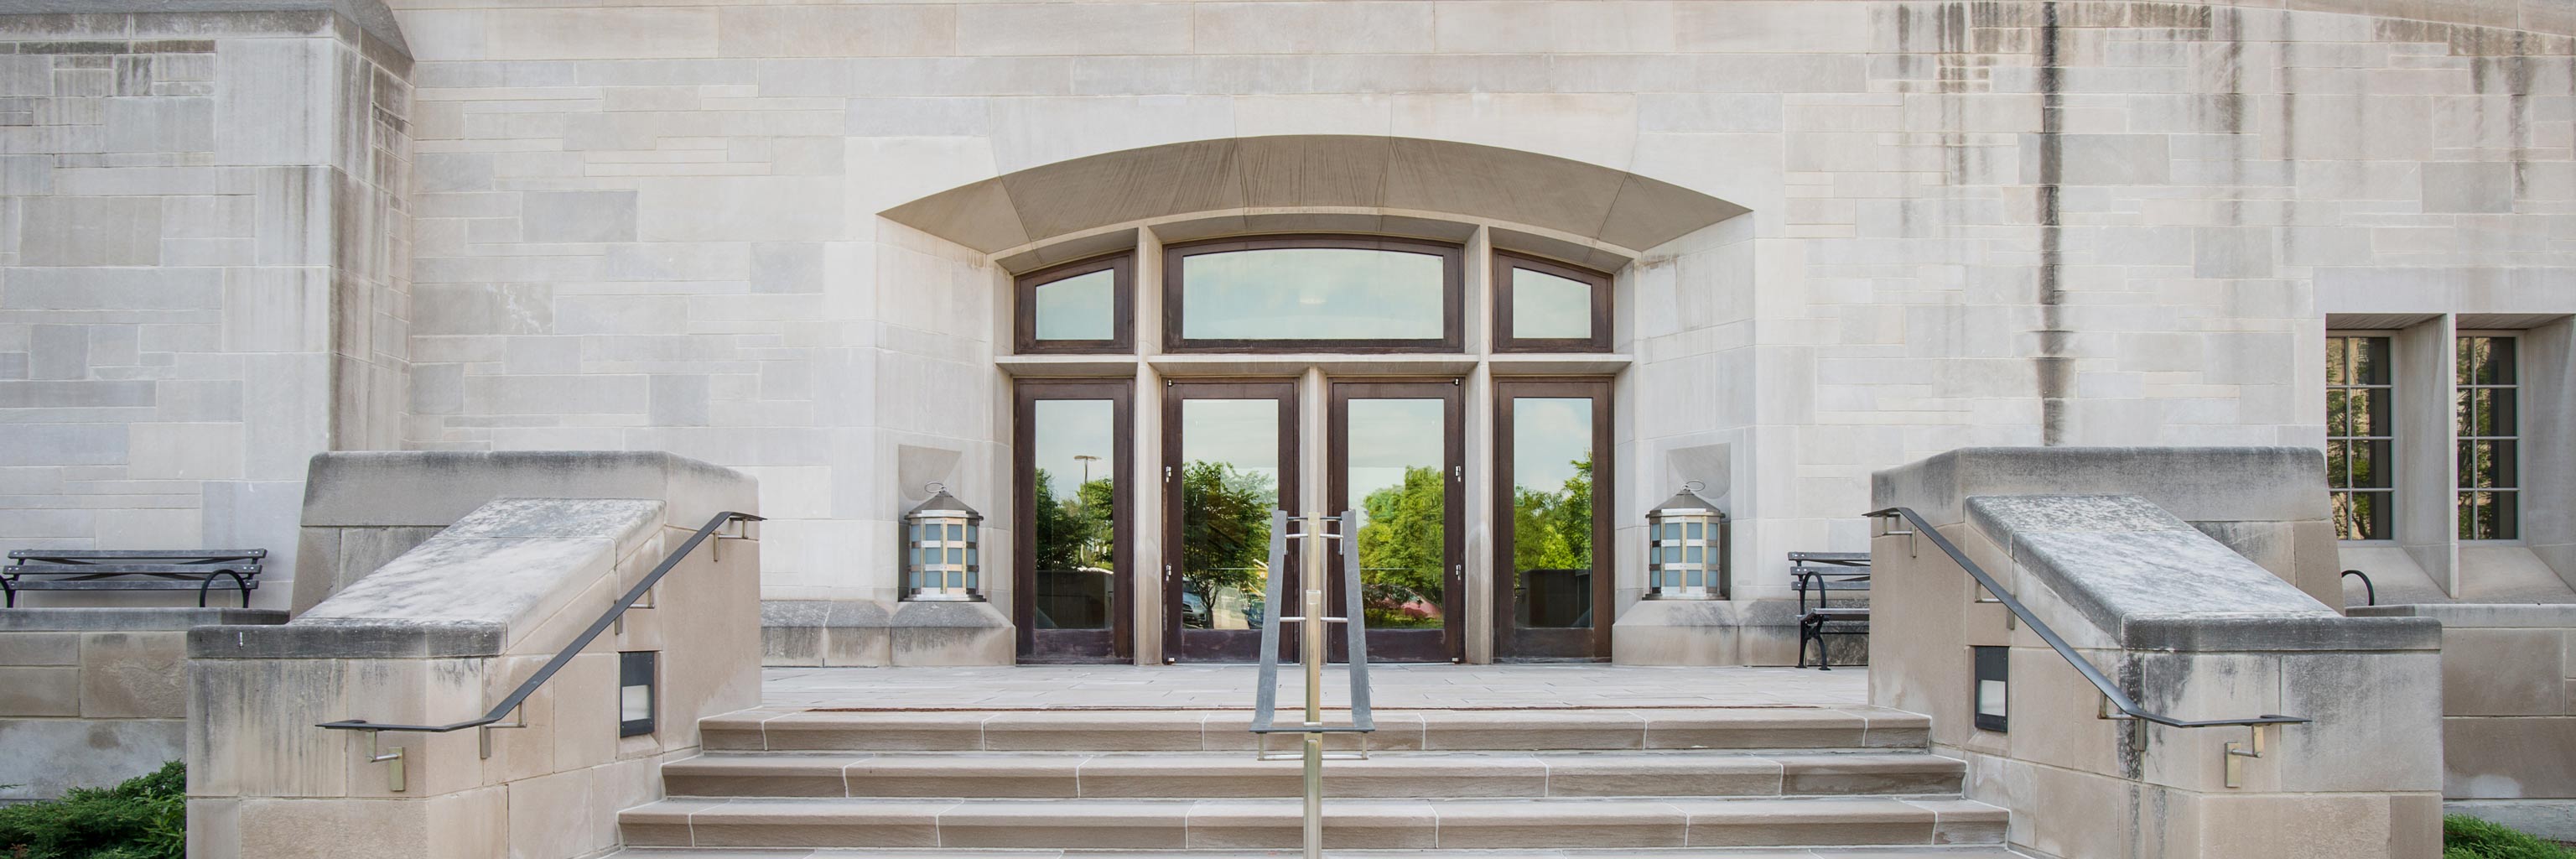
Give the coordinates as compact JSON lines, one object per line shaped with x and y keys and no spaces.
{"x":1311,"y":632}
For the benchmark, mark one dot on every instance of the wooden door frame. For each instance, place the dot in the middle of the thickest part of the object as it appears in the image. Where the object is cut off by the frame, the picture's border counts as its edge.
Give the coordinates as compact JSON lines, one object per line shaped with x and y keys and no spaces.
{"x":1176,"y":646}
{"x":1604,"y":508}
{"x":1121,"y":395}
{"x":1451,"y":393}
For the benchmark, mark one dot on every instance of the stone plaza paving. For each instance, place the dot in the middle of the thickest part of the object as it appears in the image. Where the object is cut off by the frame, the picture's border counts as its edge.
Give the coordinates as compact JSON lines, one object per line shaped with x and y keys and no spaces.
{"x":1394,"y":687}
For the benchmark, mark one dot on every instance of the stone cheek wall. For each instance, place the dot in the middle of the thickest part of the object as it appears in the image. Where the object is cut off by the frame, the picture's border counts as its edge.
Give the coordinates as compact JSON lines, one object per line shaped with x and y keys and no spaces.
{"x":203,"y":273}
{"x":2508,"y":711}
{"x":92,"y":697}
{"x":2107,"y":547}
{"x":449,"y":628}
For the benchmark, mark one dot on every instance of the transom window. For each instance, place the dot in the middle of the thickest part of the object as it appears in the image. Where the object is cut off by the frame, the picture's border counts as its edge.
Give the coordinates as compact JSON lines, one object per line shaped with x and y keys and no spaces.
{"x":1320,"y":293}
{"x":1541,"y":306}
{"x":2358,"y":437}
{"x":2490,"y":494}
{"x":1086,"y":306}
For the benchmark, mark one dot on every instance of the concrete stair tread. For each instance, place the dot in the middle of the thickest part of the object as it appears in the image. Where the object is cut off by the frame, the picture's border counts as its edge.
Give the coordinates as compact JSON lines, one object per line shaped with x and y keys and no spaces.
{"x":1270,"y":823}
{"x":1390,"y":774}
{"x":1976,"y":851}
{"x":794,"y":729}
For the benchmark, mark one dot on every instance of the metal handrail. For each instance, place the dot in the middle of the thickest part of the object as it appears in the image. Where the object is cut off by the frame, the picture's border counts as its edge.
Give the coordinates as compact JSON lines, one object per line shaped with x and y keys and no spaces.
{"x":520,"y":695}
{"x":2369,"y":592}
{"x":1310,"y":621}
{"x":2128,"y":708}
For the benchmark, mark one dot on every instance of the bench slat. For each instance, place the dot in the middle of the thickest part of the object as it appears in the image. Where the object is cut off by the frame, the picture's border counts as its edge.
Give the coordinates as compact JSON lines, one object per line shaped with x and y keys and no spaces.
{"x":221,"y":583}
{"x":146,"y":554}
{"x":129,"y":569}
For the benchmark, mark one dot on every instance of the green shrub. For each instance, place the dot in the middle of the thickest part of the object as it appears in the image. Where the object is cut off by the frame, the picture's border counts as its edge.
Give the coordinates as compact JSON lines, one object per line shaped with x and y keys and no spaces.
{"x":2465,"y":837}
{"x":144,"y":818}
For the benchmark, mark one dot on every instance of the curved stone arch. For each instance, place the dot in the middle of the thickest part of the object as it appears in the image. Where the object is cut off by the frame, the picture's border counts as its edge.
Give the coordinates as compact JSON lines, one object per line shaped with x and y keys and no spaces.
{"x":1558,"y":197}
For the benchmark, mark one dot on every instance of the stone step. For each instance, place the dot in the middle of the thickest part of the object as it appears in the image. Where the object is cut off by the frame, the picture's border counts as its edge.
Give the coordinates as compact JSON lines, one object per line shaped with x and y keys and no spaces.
{"x":1234,"y":824}
{"x":1973,"y":851}
{"x":796,"y":729}
{"x":1187,"y":775}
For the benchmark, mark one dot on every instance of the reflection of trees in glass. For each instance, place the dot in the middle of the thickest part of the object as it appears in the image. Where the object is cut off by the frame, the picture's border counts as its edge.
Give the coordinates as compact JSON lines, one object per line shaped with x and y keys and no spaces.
{"x":1225,"y":527}
{"x":1076,"y":532}
{"x":1553,"y":530}
{"x":1402,"y":550}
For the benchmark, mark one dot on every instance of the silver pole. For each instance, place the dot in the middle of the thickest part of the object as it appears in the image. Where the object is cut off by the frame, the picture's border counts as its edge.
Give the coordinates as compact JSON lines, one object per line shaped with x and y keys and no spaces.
{"x":1311,"y":628}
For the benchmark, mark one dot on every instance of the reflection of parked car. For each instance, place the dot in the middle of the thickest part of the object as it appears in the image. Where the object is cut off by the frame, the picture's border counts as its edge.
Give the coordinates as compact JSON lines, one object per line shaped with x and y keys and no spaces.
{"x":1194,"y":611}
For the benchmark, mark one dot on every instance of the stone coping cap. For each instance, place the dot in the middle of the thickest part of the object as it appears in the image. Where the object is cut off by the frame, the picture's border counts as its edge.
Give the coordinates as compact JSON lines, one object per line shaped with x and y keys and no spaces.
{"x":2118,"y":559}
{"x":2200,"y":484}
{"x":2478,"y":614}
{"x":131,"y":619}
{"x":2263,"y":632}
{"x":436,"y":489}
{"x":347,"y":641}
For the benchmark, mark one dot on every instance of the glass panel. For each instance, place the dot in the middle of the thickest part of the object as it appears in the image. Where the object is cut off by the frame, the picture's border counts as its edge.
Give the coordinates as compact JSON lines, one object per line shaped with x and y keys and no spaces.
{"x":2370,"y":360}
{"x":956,"y":533}
{"x":2370,"y":464}
{"x":635,"y":703}
{"x":1081,"y":307}
{"x":1074,"y":556}
{"x":1691,"y":531}
{"x":1552,"y":511}
{"x":1313,"y":294}
{"x":2362,"y":515}
{"x":1229,"y":486}
{"x":1398,"y":449}
{"x":1545,"y":306}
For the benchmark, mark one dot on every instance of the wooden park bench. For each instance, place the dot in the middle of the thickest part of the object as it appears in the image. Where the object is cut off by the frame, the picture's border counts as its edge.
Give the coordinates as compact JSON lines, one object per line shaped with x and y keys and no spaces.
{"x":1821,"y":574}
{"x":200,"y":570}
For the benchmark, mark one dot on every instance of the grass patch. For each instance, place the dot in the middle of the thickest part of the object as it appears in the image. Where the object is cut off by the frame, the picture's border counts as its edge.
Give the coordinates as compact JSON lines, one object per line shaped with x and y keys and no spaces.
{"x":2465,"y":837}
{"x":144,"y":818}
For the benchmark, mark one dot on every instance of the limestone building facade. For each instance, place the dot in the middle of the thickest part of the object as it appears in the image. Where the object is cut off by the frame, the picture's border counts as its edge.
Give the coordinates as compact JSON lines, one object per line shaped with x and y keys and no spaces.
{"x":1519,"y":269}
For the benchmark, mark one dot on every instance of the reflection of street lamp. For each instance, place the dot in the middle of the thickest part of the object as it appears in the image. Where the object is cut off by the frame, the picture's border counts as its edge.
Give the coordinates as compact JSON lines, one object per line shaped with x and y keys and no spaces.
{"x":1086,"y":460}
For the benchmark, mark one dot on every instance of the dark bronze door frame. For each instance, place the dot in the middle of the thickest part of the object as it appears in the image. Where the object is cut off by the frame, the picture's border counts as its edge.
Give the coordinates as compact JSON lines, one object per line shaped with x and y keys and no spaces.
{"x":1181,"y":643}
{"x":1118,"y":642}
{"x":1511,"y":640}
{"x":1447,"y":643}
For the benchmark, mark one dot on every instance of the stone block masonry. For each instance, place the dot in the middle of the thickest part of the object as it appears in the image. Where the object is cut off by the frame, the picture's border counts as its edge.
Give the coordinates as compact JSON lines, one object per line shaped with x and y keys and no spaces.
{"x":204,"y":269}
{"x":93,"y":696}
{"x":2508,"y":712}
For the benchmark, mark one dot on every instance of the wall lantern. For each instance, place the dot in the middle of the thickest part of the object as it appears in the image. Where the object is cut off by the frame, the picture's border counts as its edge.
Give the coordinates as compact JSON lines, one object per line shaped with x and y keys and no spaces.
{"x":940,"y":563}
{"x":635,"y":687}
{"x":1686,"y":548}
{"x":1994,"y":669}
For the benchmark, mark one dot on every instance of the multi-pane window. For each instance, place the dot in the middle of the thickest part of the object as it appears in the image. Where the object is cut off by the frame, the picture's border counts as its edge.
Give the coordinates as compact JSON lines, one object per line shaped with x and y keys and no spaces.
{"x":2489,"y":484}
{"x":2358,"y":437}
{"x":1083,"y":307}
{"x":1312,"y":293}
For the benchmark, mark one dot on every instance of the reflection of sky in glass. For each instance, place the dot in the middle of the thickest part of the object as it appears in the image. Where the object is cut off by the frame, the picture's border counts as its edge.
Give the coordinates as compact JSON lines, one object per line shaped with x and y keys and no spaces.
{"x":1065,"y":429}
{"x":1244,"y":433}
{"x":1077,"y":307}
{"x":1548,"y":435}
{"x":1545,"y":306}
{"x":1388,"y":436}
{"x":1312,"y":294}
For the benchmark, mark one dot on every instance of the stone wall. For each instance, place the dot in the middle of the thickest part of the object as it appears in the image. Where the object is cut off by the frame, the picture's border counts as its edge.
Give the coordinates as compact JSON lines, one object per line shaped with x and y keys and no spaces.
{"x":93,"y":696}
{"x":2183,"y":624}
{"x":2508,"y":711}
{"x":203,"y":268}
{"x":656,"y":227}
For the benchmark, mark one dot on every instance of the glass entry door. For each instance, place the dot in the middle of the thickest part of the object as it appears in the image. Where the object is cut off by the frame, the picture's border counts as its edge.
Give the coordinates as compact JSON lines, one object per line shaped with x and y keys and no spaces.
{"x":1395,"y":461}
{"x":1229,"y":460}
{"x":1552,"y":588}
{"x":1073,"y":586}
